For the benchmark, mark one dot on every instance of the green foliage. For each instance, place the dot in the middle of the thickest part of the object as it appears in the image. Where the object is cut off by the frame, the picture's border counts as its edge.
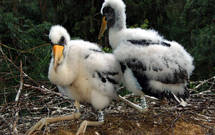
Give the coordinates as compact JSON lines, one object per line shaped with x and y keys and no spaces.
{"x":25,"y":24}
{"x":198,"y":22}
{"x":81,"y":18}
{"x":203,"y":41}
{"x":145,"y":25}
{"x":19,"y":33}
{"x":107,"y":49}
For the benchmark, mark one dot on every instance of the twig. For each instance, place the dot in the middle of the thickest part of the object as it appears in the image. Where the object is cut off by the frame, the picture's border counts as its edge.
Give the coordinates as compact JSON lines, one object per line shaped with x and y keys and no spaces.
{"x":24,"y":74}
{"x":207,"y":118}
{"x":6,"y":121}
{"x":203,"y":82}
{"x":44,"y":90}
{"x":173,"y":123}
{"x":21,"y":84}
{"x":24,"y":51}
{"x":15,"y":131}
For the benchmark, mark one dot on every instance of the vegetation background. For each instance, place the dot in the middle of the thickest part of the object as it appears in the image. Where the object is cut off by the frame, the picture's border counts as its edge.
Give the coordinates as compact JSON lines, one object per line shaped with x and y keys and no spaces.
{"x":24,"y":28}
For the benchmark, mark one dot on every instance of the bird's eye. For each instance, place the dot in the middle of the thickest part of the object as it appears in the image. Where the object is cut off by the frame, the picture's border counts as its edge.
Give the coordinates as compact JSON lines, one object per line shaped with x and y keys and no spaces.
{"x":62,"y":41}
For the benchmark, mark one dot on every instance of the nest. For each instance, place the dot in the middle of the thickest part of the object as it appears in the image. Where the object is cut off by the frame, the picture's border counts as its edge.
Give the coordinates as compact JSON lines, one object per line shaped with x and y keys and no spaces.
{"x":163,"y":117}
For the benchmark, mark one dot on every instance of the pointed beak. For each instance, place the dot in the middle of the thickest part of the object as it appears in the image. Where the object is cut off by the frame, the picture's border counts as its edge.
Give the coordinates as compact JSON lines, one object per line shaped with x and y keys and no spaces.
{"x":103,"y":27}
{"x":58,"y":53}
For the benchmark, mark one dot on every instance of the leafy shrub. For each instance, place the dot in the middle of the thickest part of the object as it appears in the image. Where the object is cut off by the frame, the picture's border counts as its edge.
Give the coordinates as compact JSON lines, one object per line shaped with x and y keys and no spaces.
{"x":25,"y":25}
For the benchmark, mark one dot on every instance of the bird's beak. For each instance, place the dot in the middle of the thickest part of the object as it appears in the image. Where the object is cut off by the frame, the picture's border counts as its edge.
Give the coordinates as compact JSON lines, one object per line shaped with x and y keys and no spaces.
{"x":103,"y":27}
{"x":58,"y":53}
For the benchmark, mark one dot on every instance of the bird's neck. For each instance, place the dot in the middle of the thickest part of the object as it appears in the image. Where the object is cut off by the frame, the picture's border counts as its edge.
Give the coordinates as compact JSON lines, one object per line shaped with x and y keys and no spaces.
{"x":120,"y":20}
{"x":116,"y":30}
{"x":115,"y":36}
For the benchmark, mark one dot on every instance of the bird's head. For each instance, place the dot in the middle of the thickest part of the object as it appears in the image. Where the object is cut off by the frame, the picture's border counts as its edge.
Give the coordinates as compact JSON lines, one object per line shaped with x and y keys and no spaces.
{"x":113,"y":12}
{"x":59,"y":39}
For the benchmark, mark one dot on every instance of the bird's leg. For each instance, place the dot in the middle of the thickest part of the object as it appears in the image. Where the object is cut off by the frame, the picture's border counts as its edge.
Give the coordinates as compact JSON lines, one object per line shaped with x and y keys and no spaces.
{"x":101,"y":116}
{"x":49,"y":120}
{"x":180,"y":101}
{"x":143,"y":102}
{"x":77,"y":106}
{"x":135,"y":106}
{"x":86,"y":123}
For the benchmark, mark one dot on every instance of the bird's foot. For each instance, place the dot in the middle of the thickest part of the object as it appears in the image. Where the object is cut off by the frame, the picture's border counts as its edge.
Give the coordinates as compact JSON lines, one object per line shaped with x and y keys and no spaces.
{"x":180,"y":101}
{"x":143,"y":103}
{"x":38,"y":126}
{"x":135,"y":106}
{"x":85,"y":123}
{"x":45,"y":121}
{"x":101,"y":116}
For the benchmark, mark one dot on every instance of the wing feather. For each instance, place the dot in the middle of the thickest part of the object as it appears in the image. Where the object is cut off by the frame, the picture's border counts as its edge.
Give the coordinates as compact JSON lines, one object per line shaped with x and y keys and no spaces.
{"x":103,"y":69}
{"x":156,"y":62}
{"x":156,"y":71}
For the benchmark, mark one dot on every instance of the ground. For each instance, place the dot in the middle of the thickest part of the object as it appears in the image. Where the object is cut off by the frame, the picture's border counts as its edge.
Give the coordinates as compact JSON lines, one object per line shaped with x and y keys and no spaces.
{"x":162,"y":118}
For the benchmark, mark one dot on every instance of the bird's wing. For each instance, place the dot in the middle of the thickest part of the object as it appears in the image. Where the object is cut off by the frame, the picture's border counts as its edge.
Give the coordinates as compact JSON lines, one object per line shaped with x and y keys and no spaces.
{"x":157,"y":71}
{"x":102,"y":68}
{"x":159,"y":55}
{"x":105,"y":73}
{"x":144,"y":42}
{"x":154,"y":61}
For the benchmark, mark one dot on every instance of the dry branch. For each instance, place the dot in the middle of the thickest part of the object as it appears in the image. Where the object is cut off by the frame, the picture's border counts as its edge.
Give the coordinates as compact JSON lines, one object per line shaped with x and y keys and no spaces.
{"x":15,"y":131}
{"x":203,"y":82}
{"x":24,"y":74}
{"x":21,"y":83}
{"x":24,"y":51}
{"x":8,"y":124}
{"x":44,"y":90}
